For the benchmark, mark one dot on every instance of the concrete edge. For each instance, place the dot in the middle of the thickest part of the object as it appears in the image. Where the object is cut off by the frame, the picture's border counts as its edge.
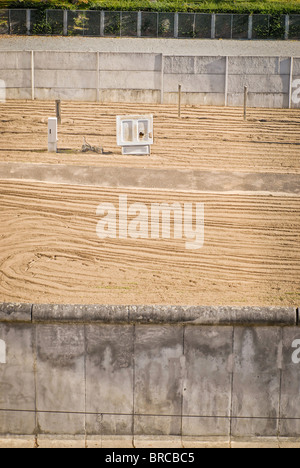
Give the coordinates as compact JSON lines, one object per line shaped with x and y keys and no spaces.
{"x":10,"y":312}
{"x":149,"y":314}
{"x":154,"y":442}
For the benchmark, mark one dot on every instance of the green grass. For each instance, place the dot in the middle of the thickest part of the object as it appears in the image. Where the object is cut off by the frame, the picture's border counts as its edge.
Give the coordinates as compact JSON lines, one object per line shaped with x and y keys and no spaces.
{"x":204,"y":6}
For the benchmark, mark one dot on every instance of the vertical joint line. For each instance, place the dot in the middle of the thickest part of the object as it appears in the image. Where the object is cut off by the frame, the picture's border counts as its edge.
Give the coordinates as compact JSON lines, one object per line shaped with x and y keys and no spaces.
{"x":36,"y":430}
{"x":162,"y":79}
{"x":32,"y":77}
{"x":280,"y":390}
{"x":183,"y":384}
{"x":231,"y":391}
{"x":133,"y":385}
{"x":98,"y":76}
{"x":226,"y":81}
{"x":85,"y":389}
{"x":291,"y":82}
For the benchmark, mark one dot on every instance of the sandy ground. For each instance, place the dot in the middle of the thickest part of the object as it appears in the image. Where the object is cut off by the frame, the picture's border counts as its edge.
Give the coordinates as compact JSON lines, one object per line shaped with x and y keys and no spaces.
{"x":49,"y":250}
{"x":206,"y":138}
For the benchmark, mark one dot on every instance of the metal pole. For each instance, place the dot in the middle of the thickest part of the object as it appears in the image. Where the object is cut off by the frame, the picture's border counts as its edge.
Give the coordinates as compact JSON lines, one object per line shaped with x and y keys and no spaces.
{"x":291,"y":82}
{"x":139,"y":24}
{"x":102,"y":23}
{"x":98,"y":76}
{"x":245,"y":101}
{"x":32,"y":76}
{"x":58,"y":111}
{"x":162,"y":79}
{"x":226,"y":81}
{"x":287,"y":27}
{"x":250,"y":27}
{"x":176,"y":21}
{"x":65,"y":22}
{"x":213,"y":26}
{"x":28,"y":21}
{"x":179,"y":101}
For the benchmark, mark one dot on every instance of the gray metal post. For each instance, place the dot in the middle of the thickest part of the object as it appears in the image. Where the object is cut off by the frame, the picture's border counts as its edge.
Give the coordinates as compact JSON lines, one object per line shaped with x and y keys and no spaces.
{"x":179,"y":101}
{"x":32,"y":76}
{"x":176,"y":18}
{"x":250,"y":27}
{"x":291,"y":82}
{"x":98,"y":77}
{"x":162,"y":79}
{"x":102,"y":23}
{"x":139,"y":24}
{"x":65,"y":22}
{"x":226,"y":81}
{"x":245,"y":101}
{"x":28,"y":17}
{"x":58,"y":110}
{"x":287,"y":27}
{"x":213,"y":26}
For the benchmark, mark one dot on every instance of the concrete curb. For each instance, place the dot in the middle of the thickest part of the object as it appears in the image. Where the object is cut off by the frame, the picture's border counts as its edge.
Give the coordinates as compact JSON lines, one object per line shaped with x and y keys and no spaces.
{"x":161,"y":179}
{"x":15,"y":312}
{"x":150,"y":314}
{"x":128,"y":442}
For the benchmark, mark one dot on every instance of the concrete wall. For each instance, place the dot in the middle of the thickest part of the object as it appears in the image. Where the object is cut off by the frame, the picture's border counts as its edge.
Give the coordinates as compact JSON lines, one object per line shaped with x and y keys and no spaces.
{"x":96,"y":371}
{"x":151,"y":78}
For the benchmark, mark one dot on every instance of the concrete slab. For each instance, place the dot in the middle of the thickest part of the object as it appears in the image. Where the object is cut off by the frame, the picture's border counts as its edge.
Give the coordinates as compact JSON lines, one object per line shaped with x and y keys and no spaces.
{"x":68,"y":442}
{"x":65,"y":313}
{"x":60,"y":382}
{"x":258,"y":443}
{"x":207,"y":442}
{"x":289,"y":443}
{"x":290,"y":384}
{"x":207,"y":383}
{"x":94,"y":442}
{"x":256,"y":381}
{"x":17,"y":442}
{"x":159,"y":366}
{"x":15,"y":312}
{"x":109,"y":379}
{"x":157,"y":442}
{"x":164,"y":179}
{"x":154,"y":45}
{"x":17,"y":396}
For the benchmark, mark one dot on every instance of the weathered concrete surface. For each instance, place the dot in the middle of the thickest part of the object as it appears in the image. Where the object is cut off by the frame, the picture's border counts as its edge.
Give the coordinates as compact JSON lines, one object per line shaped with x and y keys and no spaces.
{"x":159,"y":367}
{"x":181,"y":47}
{"x":256,"y":381}
{"x":164,"y":179}
{"x":60,"y":381}
{"x":103,"y":381}
{"x":80,"y":313}
{"x":17,"y":381}
{"x":109,"y":375}
{"x":290,"y":400}
{"x":196,"y":315}
{"x":150,"y":77}
{"x":15,"y":312}
{"x":207,"y":383}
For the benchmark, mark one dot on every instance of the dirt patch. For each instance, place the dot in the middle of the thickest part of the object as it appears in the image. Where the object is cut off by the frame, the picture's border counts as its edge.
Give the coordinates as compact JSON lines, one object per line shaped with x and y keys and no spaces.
{"x":49,"y":250}
{"x":206,"y":138}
